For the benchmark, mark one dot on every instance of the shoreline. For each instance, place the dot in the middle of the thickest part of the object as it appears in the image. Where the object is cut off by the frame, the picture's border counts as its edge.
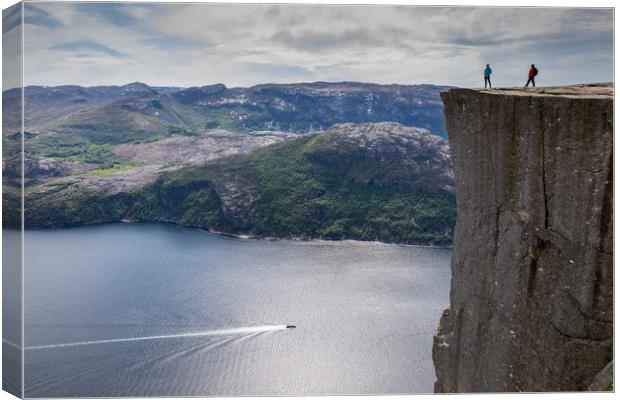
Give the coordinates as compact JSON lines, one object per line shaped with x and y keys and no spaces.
{"x":241,"y":236}
{"x":303,"y":239}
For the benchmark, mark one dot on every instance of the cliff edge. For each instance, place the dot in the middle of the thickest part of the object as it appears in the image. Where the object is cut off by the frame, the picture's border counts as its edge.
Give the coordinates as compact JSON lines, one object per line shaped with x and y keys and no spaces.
{"x":531,"y":301}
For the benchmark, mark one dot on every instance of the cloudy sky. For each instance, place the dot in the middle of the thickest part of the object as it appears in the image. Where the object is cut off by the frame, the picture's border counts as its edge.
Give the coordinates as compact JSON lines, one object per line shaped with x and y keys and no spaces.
{"x":242,"y":45}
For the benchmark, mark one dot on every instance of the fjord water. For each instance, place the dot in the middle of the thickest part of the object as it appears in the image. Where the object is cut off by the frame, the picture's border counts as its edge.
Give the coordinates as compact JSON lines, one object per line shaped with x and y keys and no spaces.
{"x":161,"y":310}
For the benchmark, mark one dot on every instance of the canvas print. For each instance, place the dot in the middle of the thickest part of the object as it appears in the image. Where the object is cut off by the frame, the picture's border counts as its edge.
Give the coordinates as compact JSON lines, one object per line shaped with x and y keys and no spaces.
{"x":209,"y":199}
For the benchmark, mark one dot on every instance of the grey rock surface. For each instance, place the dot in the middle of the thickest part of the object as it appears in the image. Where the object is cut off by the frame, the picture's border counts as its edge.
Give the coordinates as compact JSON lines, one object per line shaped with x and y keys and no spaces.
{"x":604,"y":380}
{"x":384,"y":141}
{"x":184,"y":150}
{"x":531,"y":302}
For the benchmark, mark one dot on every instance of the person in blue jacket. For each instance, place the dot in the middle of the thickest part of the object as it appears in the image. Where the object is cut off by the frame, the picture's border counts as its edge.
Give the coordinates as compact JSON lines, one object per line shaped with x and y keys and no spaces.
{"x":487,"y":76}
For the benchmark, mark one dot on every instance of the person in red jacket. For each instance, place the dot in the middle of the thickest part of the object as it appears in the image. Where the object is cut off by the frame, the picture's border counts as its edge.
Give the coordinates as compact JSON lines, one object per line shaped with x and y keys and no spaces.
{"x":530,"y":76}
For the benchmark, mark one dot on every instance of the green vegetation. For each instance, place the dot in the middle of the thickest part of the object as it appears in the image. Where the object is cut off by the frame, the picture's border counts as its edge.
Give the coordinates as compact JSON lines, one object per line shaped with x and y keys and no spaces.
{"x":76,"y":147}
{"x":315,"y":186}
{"x":302,"y":192}
{"x":112,"y":169}
{"x":86,"y":153}
{"x":299,"y":193}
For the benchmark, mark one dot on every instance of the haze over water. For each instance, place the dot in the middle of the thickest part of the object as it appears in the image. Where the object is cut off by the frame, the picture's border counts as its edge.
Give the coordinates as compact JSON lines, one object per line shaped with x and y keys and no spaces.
{"x":160,"y":310}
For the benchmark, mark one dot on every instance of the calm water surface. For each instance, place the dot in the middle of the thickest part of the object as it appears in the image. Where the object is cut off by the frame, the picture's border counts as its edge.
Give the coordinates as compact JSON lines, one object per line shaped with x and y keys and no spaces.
{"x":152,"y":309}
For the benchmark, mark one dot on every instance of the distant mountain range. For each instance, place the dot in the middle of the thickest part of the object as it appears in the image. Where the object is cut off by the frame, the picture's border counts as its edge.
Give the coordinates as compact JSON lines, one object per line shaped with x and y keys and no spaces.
{"x":308,"y":160}
{"x":137,"y":111}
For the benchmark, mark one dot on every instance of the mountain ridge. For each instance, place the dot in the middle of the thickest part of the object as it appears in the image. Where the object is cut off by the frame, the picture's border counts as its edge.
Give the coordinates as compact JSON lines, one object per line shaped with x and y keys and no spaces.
{"x":295,"y":107}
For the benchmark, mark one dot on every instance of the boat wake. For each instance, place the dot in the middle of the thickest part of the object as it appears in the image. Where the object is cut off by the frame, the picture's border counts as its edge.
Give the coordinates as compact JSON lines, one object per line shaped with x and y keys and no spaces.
{"x":249,"y":330}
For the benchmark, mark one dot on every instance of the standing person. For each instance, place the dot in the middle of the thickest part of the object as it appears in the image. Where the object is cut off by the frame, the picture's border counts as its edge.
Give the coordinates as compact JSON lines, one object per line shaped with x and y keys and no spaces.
{"x":487,"y":76}
{"x":530,"y":76}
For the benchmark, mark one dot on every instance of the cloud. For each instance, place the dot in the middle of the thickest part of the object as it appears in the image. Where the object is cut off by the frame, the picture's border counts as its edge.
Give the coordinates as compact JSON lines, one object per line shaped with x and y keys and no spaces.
{"x":320,"y":41}
{"x":81,"y":45}
{"x":11,"y":18}
{"x":11,"y":47}
{"x":39,"y":17}
{"x":245,"y":44}
{"x":267,"y":70}
{"x":112,"y":13}
{"x":167,"y":42}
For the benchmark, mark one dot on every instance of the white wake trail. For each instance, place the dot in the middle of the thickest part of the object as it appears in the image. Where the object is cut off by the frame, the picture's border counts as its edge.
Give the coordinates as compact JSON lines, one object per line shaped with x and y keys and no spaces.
{"x":11,"y":344}
{"x":218,"y":332}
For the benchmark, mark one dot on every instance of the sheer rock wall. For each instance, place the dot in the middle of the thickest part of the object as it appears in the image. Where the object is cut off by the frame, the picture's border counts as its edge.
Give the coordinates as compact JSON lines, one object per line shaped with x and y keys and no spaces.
{"x":532,"y":273}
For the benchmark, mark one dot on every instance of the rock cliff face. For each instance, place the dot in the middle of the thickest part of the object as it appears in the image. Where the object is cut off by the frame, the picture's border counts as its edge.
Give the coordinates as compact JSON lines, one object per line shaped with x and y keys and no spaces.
{"x":532,"y":273}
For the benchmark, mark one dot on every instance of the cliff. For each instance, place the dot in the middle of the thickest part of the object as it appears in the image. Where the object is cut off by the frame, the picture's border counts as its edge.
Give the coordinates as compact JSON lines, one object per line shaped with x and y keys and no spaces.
{"x":532,"y":274}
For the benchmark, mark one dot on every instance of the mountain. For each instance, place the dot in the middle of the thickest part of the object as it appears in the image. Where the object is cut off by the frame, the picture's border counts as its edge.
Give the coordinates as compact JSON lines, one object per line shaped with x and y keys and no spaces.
{"x":309,"y":107}
{"x":377,"y":181}
{"x":49,"y":106}
{"x":350,"y":157}
{"x":136,"y":111}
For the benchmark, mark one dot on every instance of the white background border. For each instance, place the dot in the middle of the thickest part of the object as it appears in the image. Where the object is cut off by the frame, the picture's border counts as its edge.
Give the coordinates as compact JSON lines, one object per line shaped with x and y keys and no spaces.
{"x":523,"y":3}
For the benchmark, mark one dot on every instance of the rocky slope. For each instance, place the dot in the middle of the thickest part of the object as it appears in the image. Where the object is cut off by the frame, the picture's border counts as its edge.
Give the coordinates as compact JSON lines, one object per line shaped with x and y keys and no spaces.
{"x":184,"y":150}
{"x":532,"y":274}
{"x":364,"y":181}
